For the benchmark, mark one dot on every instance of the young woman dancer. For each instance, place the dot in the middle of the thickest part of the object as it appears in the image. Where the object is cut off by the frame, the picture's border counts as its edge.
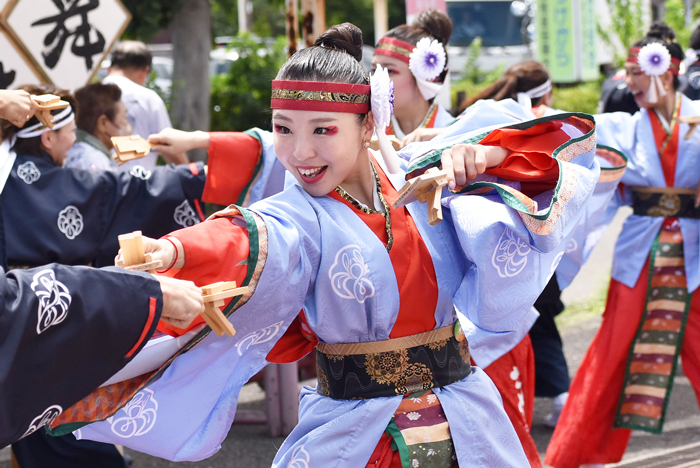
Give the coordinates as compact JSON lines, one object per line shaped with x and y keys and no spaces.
{"x":403,"y":51}
{"x":385,"y":296}
{"x":651,"y":316}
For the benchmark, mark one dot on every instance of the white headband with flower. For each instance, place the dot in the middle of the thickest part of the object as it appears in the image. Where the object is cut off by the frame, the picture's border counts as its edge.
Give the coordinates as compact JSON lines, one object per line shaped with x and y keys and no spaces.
{"x":382,"y":108}
{"x":427,"y":62}
{"x":654,"y":59}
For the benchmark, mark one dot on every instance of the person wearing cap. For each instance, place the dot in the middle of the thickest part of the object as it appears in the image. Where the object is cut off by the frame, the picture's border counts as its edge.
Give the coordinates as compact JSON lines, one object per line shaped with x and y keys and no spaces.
{"x":392,"y":304}
{"x":652,"y":316}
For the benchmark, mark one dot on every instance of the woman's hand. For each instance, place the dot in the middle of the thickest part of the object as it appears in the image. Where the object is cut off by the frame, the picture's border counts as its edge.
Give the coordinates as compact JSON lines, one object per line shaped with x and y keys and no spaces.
{"x":182,"y":301}
{"x":170,"y":252}
{"x":17,"y":106}
{"x":173,"y":144}
{"x":464,"y":162}
{"x":420,"y":134}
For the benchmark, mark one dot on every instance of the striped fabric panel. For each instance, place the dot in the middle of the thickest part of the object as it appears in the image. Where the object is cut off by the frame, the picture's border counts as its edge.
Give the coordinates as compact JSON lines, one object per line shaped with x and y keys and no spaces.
{"x":656,"y":346}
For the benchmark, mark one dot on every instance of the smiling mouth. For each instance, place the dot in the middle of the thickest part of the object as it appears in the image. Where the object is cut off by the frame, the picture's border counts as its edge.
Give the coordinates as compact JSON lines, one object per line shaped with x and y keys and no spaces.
{"x":312,"y":174}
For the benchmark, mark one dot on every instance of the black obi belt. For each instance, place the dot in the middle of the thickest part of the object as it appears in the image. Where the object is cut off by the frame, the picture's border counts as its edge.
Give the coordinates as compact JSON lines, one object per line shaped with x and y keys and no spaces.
{"x":358,"y":371}
{"x":664,"y":202}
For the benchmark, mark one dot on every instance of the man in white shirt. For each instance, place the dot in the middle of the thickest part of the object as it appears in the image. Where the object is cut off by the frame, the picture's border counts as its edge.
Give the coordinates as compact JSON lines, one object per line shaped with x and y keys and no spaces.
{"x":146,"y":112}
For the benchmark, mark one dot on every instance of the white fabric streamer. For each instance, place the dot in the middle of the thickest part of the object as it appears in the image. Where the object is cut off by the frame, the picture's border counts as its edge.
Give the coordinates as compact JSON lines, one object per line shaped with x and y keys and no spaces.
{"x":382,"y":108}
{"x":428,"y":89}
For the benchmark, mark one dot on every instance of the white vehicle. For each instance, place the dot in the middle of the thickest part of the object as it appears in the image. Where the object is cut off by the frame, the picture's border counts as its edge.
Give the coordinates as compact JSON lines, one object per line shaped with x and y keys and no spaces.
{"x":505,"y":27}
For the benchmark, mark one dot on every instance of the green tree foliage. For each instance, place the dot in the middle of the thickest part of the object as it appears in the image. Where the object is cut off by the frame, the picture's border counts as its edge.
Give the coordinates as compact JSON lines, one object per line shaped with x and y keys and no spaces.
{"x":361,"y":14}
{"x":149,"y":17}
{"x":241,"y":98}
{"x":675,"y":17}
{"x":626,"y":25}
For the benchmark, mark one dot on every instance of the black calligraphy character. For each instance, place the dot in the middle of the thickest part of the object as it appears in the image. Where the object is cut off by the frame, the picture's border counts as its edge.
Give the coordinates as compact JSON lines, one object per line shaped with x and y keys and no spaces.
{"x":6,"y":79}
{"x":56,"y":39}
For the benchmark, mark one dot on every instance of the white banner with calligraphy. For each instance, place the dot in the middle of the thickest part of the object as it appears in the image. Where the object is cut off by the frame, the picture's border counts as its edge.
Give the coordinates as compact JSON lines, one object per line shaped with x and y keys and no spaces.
{"x":65,"y":40}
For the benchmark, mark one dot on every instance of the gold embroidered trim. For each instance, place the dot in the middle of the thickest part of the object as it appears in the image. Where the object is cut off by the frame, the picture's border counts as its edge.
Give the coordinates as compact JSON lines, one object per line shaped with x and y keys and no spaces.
{"x":325,"y":96}
{"x":395,"y":344}
{"x":397,"y":49}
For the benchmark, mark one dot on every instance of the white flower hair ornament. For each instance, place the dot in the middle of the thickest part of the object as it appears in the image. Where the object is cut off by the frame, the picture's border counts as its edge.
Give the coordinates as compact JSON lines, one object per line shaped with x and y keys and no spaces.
{"x":427,"y":62}
{"x":382,"y":108}
{"x":654,"y":60}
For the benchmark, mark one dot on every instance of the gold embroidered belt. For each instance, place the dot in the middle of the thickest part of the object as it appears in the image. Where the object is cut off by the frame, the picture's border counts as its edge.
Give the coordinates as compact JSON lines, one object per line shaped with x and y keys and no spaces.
{"x":665,"y":202}
{"x":355,"y":371}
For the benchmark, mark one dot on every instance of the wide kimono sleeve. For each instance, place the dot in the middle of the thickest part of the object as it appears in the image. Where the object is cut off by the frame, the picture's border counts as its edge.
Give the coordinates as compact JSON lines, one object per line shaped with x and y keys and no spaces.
{"x":245,"y":167}
{"x":514,"y":222}
{"x":62,"y":334}
{"x":599,"y":212}
{"x":74,"y":216}
{"x":182,"y":407}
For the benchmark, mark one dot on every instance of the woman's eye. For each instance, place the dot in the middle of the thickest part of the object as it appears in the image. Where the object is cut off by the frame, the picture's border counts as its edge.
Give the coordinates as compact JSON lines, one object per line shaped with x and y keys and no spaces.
{"x":282,"y":129}
{"x":326,"y":131}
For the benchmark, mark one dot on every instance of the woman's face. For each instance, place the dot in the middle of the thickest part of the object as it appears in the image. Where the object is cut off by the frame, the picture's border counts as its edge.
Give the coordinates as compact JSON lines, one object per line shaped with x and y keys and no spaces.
{"x":120,"y":124}
{"x":638,"y":83}
{"x":405,"y":87}
{"x":58,"y":142}
{"x":320,"y":149}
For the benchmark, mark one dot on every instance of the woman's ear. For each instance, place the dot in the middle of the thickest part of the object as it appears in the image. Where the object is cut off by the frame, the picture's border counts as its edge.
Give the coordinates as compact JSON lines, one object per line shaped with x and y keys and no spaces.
{"x":101,"y":125}
{"x":368,"y":130}
{"x":667,"y":80}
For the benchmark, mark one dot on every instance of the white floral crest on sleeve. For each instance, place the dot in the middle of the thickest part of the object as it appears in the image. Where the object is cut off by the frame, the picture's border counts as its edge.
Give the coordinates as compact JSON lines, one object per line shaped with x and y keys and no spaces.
{"x":139,"y":416}
{"x":28,"y":172}
{"x":54,"y":300}
{"x":300,"y":458}
{"x":257,"y":337}
{"x":70,"y":222}
{"x":571,"y":246}
{"x":349,"y":275}
{"x":185,"y":215}
{"x":43,"y":419}
{"x":510,"y":256}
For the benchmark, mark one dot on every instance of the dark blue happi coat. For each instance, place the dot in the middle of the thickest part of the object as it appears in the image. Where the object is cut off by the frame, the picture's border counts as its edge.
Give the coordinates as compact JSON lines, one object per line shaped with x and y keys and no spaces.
{"x":58,"y":342}
{"x":73,"y":216}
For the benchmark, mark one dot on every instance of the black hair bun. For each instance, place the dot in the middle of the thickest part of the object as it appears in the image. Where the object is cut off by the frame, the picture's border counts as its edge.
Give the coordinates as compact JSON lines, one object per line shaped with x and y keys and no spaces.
{"x":436,"y":23}
{"x":346,"y":37}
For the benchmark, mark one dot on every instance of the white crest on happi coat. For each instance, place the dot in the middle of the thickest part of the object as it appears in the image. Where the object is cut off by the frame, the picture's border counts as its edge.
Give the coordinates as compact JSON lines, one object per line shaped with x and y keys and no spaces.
{"x":140,"y":172}
{"x":184,"y":215}
{"x":510,"y":256}
{"x":54,"y":300}
{"x":137,"y":418}
{"x":43,"y":419}
{"x":349,"y":275}
{"x":70,"y":222}
{"x":28,"y":172}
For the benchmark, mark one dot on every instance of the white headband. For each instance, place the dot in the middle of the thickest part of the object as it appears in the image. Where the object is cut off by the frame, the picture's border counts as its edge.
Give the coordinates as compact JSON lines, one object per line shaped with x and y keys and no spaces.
{"x":525,"y":99}
{"x":59,"y":120}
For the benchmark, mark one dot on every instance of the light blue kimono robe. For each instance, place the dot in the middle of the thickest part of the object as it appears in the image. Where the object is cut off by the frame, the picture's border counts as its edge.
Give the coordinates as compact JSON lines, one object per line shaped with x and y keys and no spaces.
{"x":633,"y":136}
{"x":492,"y":259}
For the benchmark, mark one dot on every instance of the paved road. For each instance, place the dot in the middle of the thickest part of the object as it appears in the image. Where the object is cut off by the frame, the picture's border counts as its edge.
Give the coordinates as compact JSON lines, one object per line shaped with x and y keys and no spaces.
{"x":250,"y":447}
